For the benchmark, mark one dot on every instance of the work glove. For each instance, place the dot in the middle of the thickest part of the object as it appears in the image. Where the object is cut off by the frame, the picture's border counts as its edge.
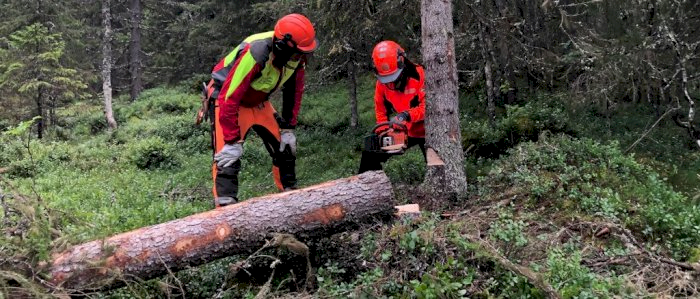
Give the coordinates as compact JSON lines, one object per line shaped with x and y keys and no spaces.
{"x":288,"y":138}
{"x":401,"y":118}
{"x":229,"y":154}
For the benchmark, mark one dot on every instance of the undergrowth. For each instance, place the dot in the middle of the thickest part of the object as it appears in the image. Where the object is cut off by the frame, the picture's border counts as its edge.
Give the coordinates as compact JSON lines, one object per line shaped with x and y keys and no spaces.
{"x":541,"y":200}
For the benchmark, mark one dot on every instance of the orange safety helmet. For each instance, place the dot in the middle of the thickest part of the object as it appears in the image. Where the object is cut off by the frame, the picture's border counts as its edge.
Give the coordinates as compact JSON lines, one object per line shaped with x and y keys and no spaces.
{"x":388,"y":58}
{"x":297,"y":31}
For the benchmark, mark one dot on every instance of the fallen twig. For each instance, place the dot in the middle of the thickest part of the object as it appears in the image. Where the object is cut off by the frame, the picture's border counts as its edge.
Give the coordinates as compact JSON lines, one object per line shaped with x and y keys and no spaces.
{"x":628,"y":237}
{"x":171,"y":274}
{"x":684,"y":266}
{"x":534,"y":278}
{"x":650,"y":129}
{"x":278,"y":240}
{"x":622,"y":260}
{"x":268,"y":284}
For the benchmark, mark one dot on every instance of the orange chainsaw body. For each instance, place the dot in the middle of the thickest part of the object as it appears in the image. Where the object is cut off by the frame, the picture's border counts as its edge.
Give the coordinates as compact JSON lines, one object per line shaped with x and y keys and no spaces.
{"x":392,"y":140}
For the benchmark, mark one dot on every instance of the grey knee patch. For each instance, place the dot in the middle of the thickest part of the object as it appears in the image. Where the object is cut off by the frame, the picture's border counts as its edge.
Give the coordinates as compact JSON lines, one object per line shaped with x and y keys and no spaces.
{"x":226,"y":200}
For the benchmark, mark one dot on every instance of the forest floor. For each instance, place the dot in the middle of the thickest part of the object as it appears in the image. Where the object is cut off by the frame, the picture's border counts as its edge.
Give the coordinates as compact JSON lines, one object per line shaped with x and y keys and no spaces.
{"x":557,"y":205}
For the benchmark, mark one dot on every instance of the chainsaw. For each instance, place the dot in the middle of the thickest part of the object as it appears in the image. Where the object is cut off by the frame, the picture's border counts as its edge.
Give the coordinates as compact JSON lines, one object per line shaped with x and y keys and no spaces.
{"x":393,"y":140}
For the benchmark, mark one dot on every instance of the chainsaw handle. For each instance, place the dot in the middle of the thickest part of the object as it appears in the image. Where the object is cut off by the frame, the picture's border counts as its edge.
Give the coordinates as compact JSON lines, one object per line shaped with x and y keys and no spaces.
{"x":391,"y":125}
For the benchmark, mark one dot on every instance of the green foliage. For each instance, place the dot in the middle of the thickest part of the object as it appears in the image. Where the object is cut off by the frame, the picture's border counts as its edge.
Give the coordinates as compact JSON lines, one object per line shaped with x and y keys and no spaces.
{"x":442,"y":283}
{"x":573,"y":280}
{"x":152,"y":153}
{"x":330,"y":284}
{"x":328,"y":107}
{"x":22,"y":155}
{"x":327,"y":283}
{"x":22,"y":128}
{"x":597,"y":180}
{"x":92,"y":122}
{"x":33,"y":68}
{"x":428,"y":268}
{"x":420,"y":240}
{"x":521,"y":123}
{"x":508,"y":230}
{"x":157,"y":102}
{"x":179,"y":131}
{"x":511,"y":285}
{"x":408,"y":168}
{"x":30,"y":227}
{"x":666,"y":148}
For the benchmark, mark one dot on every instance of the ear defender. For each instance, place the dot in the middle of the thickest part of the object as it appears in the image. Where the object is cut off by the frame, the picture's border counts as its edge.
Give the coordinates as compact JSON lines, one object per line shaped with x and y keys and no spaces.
{"x":285,"y":43}
{"x":400,"y":56}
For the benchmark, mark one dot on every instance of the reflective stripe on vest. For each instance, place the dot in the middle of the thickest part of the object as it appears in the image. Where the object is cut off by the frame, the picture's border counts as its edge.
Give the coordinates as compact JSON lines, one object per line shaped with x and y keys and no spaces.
{"x":270,"y":78}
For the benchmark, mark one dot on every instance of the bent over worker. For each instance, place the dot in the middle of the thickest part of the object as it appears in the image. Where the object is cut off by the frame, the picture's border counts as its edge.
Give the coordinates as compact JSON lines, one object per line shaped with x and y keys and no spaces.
{"x":244,"y":80}
{"x":398,"y":91}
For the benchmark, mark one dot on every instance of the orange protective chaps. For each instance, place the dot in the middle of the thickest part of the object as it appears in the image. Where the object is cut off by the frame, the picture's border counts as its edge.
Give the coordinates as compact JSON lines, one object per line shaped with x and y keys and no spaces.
{"x":261,"y":119}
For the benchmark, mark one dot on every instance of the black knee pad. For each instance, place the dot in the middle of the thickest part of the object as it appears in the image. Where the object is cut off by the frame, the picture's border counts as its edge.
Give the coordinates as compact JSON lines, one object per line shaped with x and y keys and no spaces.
{"x":229,"y":171}
{"x":284,"y":158}
{"x":286,"y":162}
{"x":226,"y":182}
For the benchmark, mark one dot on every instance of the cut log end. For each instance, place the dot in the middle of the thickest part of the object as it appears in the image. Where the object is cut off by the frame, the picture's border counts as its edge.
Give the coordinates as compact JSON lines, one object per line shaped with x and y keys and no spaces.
{"x":433,"y":158}
{"x":408,"y":211}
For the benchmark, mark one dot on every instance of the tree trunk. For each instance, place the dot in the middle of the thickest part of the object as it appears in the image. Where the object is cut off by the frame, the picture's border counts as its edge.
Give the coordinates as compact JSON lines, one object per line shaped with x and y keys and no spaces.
{"x":505,"y":55}
{"x":135,"y":49}
{"x":491,"y":56}
{"x":352,"y":86}
{"x":442,"y":106}
{"x":40,"y":112}
{"x":488,"y":76}
{"x":313,"y":212}
{"x":52,"y":112}
{"x":107,"y":63}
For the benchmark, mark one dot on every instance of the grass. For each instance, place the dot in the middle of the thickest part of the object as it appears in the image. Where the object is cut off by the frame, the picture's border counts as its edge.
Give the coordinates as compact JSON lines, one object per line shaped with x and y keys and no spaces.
{"x":157,"y":165}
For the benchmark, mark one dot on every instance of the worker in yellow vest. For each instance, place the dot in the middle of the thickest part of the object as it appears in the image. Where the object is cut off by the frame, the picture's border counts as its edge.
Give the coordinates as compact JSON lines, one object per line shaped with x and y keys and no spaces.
{"x":241,"y":84}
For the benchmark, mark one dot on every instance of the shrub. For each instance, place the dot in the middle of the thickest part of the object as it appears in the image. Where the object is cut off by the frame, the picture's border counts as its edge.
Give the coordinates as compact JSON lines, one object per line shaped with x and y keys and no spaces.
{"x":596,"y":180}
{"x":574,"y":280}
{"x":96,"y":123}
{"x":156,"y":102}
{"x":177,"y":130}
{"x":509,"y":231}
{"x":152,"y":153}
{"x":408,"y":168}
{"x":23,"y":162}
{"x":521,"y":123}
{"x":23,"y":168}
{"x":182,"y":131}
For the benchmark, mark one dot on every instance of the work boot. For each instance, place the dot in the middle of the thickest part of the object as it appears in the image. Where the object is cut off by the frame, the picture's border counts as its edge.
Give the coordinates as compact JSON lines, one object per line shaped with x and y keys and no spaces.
{"x":225,"y":200}
{"x":290,"y":188}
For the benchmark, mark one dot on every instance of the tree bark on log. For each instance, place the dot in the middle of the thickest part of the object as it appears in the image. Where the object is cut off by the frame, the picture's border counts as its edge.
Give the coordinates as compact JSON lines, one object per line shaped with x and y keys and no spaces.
{"x":313,"y":212}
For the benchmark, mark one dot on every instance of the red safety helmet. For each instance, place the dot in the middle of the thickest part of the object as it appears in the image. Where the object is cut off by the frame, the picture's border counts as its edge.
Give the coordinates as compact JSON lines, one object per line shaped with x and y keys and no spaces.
{"x":297,"y":31}
{"x":388,"y":58}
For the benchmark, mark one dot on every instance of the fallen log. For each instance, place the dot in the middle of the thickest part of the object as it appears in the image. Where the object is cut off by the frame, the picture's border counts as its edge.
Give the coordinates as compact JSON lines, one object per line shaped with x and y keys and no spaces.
{"x":149,"y":252}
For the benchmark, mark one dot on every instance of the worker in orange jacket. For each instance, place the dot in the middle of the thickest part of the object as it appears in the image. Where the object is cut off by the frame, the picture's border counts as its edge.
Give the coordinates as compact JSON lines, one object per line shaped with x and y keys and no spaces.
{"x":399,"y":90}
{"x":241,"y":84}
